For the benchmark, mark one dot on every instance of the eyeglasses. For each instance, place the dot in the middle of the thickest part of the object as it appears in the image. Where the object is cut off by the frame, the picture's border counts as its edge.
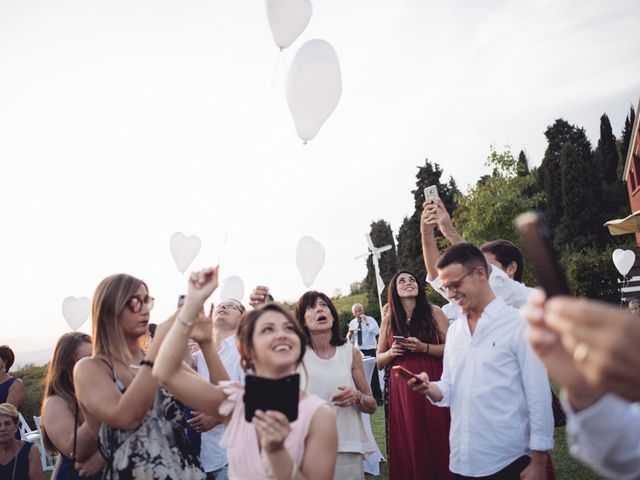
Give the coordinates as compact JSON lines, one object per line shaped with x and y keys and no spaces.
{"x":136,"y":302}
{"x":454,"y":286}
{"x":229,"y":305}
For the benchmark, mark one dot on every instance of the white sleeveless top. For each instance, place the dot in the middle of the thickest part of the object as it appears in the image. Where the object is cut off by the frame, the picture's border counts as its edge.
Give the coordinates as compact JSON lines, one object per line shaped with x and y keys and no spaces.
{"x":323,"y":379}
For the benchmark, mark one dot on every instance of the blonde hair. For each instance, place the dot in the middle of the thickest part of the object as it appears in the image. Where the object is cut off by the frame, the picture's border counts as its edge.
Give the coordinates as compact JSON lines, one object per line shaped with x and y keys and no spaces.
{"x":8,"y":410}
{"x":109,"y":300}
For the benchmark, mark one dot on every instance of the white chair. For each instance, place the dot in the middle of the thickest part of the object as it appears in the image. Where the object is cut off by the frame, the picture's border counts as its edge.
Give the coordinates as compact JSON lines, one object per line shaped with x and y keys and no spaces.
{"x":25,"y":430}
{"x":48,"y":461}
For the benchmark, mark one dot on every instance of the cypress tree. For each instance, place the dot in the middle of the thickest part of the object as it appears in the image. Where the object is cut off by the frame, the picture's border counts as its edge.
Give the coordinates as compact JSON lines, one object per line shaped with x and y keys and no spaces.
{"x":381,"y":235}
{"x":522,"y":167}
{"x":606,"y":155}
{"x":625,"y":141}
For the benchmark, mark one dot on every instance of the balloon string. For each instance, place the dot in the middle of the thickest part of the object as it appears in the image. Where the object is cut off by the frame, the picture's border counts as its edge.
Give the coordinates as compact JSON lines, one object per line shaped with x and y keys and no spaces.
{"x":267,"y":103}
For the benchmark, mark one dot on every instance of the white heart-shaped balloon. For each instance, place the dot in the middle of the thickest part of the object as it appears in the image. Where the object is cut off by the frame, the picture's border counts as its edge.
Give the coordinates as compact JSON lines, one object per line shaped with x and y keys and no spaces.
{"x":314,"y":86}
{"x":232,"y":287}
{"x":623,"y":260}
{"x":76,"y":311}
{"x":309,"y":259}
{"x":288,"y":19}
{"x":184,"y":249}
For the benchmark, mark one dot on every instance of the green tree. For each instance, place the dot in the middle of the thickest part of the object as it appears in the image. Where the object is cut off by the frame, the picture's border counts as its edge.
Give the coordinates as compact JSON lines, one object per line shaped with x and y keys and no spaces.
{"x":580,"y":223}
{"x":606,"y":154}
{"x":625,"y":140}
{"x":592,"y":274}
{"x":489,"y":208}
{"x":381,"y":235}
{"x":522,"y":168}
{"x":409,"y":244}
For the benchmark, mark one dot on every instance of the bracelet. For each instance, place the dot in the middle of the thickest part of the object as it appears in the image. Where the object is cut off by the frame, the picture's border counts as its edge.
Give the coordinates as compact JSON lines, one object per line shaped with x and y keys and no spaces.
{"x":428,"y":345}
{"x":360,"y":399}
{"x":148,"y":363}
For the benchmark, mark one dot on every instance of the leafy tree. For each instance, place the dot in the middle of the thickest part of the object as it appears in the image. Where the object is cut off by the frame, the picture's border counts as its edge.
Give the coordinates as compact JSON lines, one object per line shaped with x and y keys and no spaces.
{"x":488,"y":210}
{"x":409,"y":244}
{"x":381,"y":235}
{"x":33,"y":378}
{"x":625,"y":141}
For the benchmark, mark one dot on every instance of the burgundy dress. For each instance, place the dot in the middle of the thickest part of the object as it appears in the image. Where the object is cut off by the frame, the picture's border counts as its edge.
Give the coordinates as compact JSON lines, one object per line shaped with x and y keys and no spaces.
{"x":418,"y":432}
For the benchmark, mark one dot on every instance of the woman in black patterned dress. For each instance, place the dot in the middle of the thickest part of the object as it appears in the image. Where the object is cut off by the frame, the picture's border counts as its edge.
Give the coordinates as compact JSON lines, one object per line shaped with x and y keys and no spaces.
{"x":140,"y":427}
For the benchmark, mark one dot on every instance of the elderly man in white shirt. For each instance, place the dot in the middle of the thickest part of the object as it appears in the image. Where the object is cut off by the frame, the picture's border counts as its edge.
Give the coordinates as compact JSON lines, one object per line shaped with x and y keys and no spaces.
{"x":226,"y":319}
{"x":497,"y":390}
{"x":363,"y":331}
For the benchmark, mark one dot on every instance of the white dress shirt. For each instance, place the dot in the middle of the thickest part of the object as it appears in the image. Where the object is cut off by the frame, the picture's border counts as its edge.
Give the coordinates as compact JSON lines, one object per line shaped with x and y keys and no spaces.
{"x":513,"y":293}
{"x":498,"y":392}
{"x":369,"y":332}
{"x":212,"y":455}
{"x":606,"y":436}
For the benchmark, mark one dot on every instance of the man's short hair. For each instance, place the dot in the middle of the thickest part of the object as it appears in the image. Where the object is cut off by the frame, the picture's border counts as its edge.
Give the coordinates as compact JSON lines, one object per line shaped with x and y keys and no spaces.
{"x":505,"y":253}
{"x":353,"y":307}
{"x":634,"y":301}
{"x":466,"y":254}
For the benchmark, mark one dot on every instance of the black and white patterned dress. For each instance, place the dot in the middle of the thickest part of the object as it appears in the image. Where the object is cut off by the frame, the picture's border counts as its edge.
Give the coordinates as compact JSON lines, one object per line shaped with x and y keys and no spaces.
{"x":158,"y":449}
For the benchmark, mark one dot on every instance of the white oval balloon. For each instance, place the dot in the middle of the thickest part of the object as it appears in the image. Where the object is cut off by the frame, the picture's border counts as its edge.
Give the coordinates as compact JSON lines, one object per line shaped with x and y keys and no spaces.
{"x":309,"y":259}
{"x":184,"y":249}
{"x":314,"y":86}
{"x":76,"y":311}
{"x":232,"y":287}
{"x":623,"y":260}
{"x":288,"y":19}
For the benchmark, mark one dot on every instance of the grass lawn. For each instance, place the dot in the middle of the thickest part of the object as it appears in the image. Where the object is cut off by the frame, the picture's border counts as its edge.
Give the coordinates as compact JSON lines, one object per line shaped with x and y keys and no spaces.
{"x":567,"y":468}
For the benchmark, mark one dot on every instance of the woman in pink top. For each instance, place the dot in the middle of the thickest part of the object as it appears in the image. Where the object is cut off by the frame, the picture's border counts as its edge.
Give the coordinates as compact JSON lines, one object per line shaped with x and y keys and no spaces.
{"x":271,"y":344}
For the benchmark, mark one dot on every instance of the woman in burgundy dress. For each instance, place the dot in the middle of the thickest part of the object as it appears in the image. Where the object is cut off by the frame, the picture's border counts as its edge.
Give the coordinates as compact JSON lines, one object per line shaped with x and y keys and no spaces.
{"x":412,"y":335}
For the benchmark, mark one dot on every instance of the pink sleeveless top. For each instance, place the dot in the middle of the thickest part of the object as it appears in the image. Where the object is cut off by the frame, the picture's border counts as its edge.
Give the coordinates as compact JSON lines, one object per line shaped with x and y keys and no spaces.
{"x":246,"y":460}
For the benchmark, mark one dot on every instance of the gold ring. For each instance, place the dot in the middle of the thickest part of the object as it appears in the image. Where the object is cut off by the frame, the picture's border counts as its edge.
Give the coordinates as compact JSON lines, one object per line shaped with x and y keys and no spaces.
{"x":581,"y":352}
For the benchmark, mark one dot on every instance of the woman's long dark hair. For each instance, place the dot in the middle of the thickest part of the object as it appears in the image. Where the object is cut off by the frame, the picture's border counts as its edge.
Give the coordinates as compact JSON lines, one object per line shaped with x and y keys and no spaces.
{"x":422,"y":324}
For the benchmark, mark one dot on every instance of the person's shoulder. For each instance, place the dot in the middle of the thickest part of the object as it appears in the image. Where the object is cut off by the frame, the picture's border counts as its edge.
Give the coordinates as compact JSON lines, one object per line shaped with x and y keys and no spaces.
{"x":90,"y":366}
{"x":353,"y":321}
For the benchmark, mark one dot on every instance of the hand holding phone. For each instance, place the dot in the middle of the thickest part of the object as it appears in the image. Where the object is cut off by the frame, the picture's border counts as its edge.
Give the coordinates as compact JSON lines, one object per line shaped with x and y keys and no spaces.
{"x":406,"y":374}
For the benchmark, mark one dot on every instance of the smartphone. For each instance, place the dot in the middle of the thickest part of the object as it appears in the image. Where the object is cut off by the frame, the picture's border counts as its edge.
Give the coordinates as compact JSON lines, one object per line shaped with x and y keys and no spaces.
{"x":181,"y":300}
{"x":431,"y":194}
{"x":406,"y":374}
{"x":262,"y":393}
{"x":539,"y":251}
{"x":400,"y":338}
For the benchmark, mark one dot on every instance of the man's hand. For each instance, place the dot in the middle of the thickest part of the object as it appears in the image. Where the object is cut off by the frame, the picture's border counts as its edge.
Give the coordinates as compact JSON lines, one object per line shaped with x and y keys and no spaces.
{"x":201,"y":422}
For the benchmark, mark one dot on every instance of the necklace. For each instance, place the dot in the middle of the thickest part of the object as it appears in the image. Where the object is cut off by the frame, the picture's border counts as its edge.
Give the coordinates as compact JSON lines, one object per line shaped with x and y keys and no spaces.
{"x":327,"y":355}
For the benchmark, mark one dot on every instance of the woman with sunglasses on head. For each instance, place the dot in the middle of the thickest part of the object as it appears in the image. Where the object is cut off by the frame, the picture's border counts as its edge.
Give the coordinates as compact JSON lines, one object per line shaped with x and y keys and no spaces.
{"x":62,"y":431}
{"x":271,"y":346}
{"x":412,"y":336}
{"x":140,"y":427}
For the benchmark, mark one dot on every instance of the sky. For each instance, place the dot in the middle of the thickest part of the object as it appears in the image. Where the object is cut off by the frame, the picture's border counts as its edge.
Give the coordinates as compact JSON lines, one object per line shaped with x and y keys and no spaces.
{"x":122,"y":122}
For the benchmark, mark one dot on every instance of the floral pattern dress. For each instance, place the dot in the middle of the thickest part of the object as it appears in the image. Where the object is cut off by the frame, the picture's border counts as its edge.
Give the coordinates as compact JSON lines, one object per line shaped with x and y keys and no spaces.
{"x":158,"y":449}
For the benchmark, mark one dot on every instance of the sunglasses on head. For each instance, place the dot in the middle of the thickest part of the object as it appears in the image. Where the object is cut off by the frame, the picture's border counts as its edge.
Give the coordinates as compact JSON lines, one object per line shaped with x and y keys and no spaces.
{"x":136,"y":302}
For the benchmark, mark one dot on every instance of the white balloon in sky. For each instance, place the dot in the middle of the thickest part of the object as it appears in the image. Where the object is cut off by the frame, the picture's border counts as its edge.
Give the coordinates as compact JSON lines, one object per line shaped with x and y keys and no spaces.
{"x":76,"y":311}
{"x":232,"y":287}
{"x":288,"y":19}
{"x":623,"y":260}
{"x":309,"y":259}
{"x":184,"y":249}
{"x":314,"y":86}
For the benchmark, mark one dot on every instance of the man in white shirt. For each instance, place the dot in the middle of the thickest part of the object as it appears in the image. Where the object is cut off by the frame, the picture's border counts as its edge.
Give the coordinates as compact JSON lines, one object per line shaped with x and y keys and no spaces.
{"x":497,"y":390}
{"x":362,"y":333}
{"x":226,"y":319}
